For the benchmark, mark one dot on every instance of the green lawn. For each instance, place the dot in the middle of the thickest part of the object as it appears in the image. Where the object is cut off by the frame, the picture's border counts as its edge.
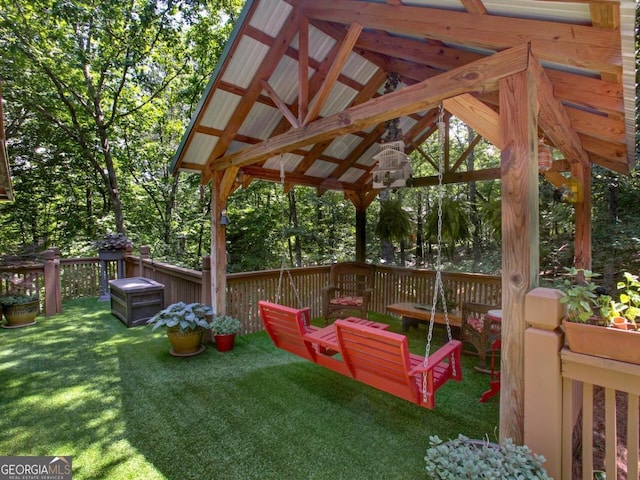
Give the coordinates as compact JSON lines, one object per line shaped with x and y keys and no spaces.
{"x":82,"y":384}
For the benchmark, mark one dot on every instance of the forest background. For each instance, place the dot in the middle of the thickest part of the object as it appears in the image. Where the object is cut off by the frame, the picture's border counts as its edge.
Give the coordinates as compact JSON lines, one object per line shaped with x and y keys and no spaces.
{"x":98,"y":95}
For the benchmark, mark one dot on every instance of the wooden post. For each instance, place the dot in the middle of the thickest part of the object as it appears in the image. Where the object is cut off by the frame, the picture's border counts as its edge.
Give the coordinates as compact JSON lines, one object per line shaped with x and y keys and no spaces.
{"x":218,"y":249}
{"x":52,"y":290}
{"x":520,"y":257}
{"x":205,"y":289}
{"x":543,"y":380}
{"x":582,"y":241}
{"x":361,"y":235}
{"x":144,"y":255}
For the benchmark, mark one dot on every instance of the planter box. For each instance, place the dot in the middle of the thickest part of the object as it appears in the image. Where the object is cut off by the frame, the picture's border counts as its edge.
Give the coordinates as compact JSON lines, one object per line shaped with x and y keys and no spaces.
{"x":135,"y":300}
{"x":613,"y":343}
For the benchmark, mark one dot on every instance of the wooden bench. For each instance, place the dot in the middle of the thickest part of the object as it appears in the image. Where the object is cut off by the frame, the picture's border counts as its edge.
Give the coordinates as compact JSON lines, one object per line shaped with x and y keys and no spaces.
{"x":370,"y":355}
{"x":382,"y":360}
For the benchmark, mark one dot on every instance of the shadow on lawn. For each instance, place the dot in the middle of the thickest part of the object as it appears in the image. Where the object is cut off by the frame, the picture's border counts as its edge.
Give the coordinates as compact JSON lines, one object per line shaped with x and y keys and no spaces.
{"x":83,"y":384}
{"x":61,"y":387}
{"x":258,"y":412}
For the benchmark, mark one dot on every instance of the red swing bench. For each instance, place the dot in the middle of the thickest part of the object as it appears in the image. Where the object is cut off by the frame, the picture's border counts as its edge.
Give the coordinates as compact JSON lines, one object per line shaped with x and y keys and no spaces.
{"x":369,"y":355}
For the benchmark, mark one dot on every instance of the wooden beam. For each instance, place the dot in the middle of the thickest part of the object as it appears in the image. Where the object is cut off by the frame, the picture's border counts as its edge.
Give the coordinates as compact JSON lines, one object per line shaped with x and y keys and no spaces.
{"x":584,"y":46}
{"x":594,"y":93}
{"x":282,"y":106}
{"x":330,"y":80}
{"x":475,"y":7}
{"x":520,"y":239}
{"x":482,"y":118}
{"x":298,"y":179}
{"x":554,"y":120}
{"x":479,"y":76}
{"x":554,"y":178}
{"x":227,"y":184}
{"x":303,"y":68}
{"x":458,"y":177}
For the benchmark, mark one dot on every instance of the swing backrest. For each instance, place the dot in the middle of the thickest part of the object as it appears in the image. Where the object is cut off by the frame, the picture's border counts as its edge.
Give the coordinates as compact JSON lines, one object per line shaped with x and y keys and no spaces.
{"x":382,"y":360}
{"x":286,"y":326}
{"x":378,"y":358}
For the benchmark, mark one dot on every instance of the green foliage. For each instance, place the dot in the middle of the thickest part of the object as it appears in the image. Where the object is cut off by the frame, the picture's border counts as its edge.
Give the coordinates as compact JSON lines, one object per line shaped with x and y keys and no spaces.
{"x":630,"y":296}
{"x":394,"y":223}
{"x":225,"y":325}
{"x":463,"y":458}
{"x":17,"y":299}
{"x":580,"y":298}
{"x":186,"y":316}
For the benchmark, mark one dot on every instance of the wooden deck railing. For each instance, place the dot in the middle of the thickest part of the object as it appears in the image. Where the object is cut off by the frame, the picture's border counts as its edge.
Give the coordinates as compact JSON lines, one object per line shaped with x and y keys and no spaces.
{"x":607,"y":393}
{"x":564,"y":417}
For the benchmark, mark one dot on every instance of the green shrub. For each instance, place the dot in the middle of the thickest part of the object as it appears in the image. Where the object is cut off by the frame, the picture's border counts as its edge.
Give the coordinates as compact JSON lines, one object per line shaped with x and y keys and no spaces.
{"x":473,"y":459}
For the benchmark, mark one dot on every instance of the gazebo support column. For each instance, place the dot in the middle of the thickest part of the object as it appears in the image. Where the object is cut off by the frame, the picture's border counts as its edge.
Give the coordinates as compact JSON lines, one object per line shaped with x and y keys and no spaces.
{"x":520,"y":257}
{"x":361,"y":237}
{"x":218,"y":248}
{"x":582,"y":241}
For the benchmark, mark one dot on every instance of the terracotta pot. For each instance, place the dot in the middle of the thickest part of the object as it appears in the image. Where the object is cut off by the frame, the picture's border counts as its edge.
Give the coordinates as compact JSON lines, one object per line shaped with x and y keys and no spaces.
{"x":22,"y":314}
{"x":621,"y":323}
{"x":224,"y":343}
{"x":187,"y":342}
{"x":613,"y":343}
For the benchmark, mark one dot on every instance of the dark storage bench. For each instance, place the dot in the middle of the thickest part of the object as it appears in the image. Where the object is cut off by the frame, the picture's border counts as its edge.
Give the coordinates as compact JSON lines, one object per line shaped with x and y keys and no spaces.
{"x":135,"y":300}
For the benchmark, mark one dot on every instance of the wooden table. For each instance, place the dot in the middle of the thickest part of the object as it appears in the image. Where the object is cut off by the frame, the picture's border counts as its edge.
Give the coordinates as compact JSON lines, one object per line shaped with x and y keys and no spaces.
{"x":325,"y":341}
{"x":411,"y":315}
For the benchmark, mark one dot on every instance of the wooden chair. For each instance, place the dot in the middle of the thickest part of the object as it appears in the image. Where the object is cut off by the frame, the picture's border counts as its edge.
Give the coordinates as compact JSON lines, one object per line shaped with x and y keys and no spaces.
{"x":479,"y":331}
{"x":382,"y":360}
{"x":350,"y":288}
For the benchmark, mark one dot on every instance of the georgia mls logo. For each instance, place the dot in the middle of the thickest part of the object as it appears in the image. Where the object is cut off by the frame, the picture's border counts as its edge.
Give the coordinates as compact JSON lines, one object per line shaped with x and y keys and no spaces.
{"x":35,"y":468}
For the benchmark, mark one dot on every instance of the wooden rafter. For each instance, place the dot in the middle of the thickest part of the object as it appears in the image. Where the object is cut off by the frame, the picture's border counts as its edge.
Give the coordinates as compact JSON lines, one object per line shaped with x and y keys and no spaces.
{"x":588,"y":47}
{"x":483,"y":119}
{"x":264,"y":72}
{"x":553,"y":119}
{"x":330,"y":80}
{"x":481,"y":76}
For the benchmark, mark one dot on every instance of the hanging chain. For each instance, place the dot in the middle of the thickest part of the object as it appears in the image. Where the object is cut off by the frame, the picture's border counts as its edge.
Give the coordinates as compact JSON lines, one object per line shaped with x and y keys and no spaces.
{"x":283,"y":262}
{"x":438,"y":287}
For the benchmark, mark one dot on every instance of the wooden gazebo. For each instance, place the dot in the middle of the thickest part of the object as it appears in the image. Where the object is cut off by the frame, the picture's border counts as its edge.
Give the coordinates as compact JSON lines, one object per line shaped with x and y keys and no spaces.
{"x":300,"y":88}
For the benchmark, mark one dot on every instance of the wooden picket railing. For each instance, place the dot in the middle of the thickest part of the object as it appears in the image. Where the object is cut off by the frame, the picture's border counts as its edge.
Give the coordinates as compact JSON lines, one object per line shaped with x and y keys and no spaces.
{"x":576,"y":404}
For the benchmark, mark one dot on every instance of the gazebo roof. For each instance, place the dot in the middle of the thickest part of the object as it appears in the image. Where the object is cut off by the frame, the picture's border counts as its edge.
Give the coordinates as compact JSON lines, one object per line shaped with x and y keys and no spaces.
{"x":259,"y":114}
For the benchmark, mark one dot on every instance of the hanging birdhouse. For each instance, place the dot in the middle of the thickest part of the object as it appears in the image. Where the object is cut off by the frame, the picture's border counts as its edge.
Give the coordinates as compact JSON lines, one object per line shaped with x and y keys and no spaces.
{"x":393,"y":168}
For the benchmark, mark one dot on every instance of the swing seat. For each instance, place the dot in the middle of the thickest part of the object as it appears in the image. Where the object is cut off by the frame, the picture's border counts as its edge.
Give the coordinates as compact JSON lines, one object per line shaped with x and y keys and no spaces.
{"x":382,"y":360}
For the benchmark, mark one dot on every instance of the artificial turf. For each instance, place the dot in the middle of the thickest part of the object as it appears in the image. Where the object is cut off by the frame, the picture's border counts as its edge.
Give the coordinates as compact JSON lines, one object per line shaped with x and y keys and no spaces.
{"x":83,"y":384}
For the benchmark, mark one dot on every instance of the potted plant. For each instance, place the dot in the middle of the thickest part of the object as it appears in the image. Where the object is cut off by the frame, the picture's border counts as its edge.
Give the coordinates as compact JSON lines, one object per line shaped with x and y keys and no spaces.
{"x":186,"y":323}
{"x":112,"y":242}
{"x":19,"y":309}
{"x":630,"y":298}
{"x":592,"y":315}
{"x":224,"y":329}
{"x":465,"y":458}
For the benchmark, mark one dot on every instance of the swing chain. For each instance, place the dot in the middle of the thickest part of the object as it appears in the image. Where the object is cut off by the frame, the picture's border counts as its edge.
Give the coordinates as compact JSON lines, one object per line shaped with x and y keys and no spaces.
{"x":283,"y":261}
{"x":438,"y":286}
